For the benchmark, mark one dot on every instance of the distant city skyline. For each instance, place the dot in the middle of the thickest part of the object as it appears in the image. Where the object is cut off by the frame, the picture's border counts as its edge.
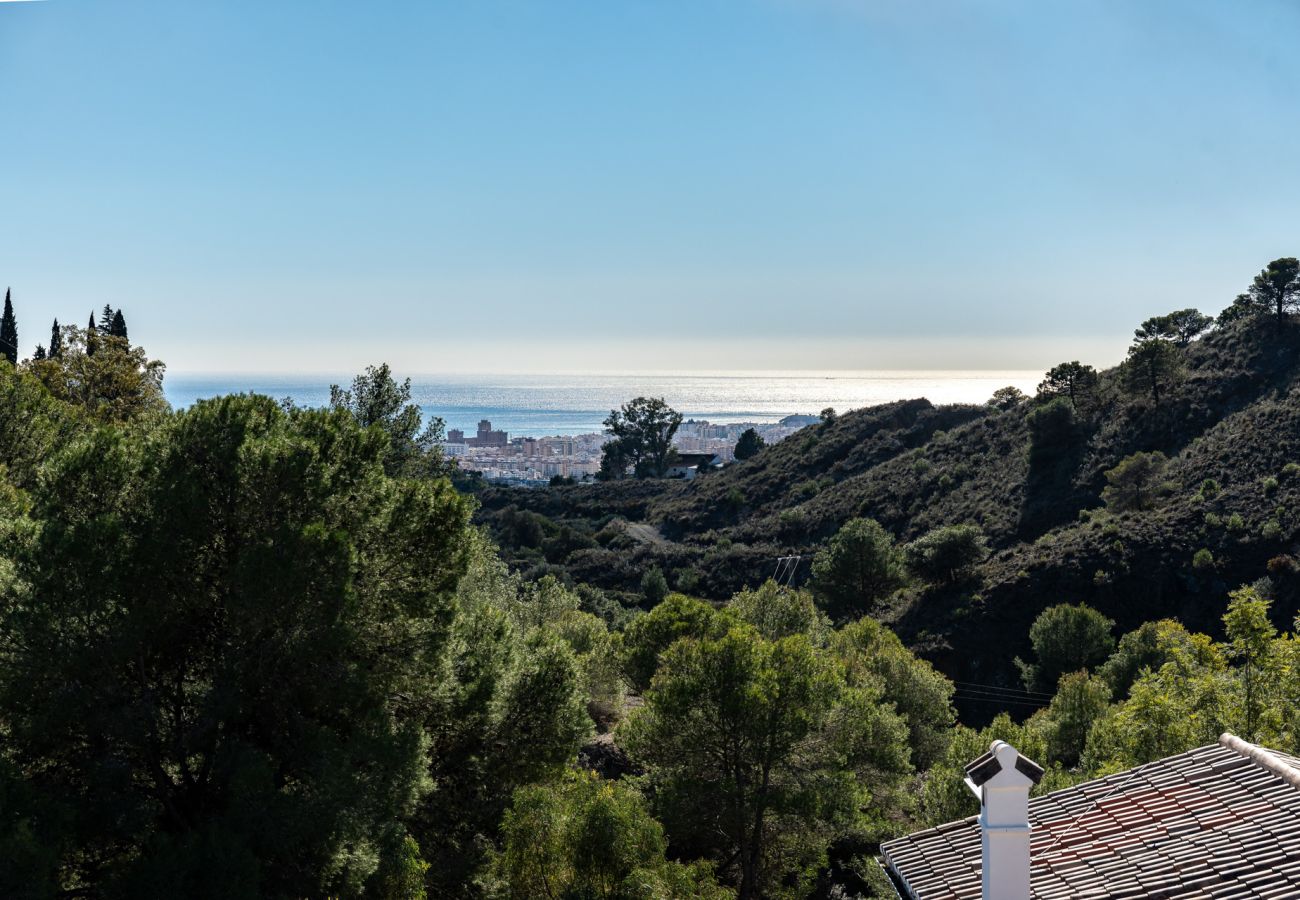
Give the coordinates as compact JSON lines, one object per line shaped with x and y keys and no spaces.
{"x":721,"y":184}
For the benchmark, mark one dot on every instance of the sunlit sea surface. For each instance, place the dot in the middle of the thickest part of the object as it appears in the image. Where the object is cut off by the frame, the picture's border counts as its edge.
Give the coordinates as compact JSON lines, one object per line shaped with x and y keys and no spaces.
{"x":540,"y":405}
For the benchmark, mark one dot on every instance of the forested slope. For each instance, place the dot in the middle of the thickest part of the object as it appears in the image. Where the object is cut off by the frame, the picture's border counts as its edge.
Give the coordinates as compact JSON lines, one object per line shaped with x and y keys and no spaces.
{"x":1032,"y":482}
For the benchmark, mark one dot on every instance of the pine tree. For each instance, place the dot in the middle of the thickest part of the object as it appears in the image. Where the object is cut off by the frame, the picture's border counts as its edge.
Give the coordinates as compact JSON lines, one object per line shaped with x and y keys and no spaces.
{"x":9,"y":332}
{"x":106,"y":320}
{"x":91,"y":331}
{"x":40,"y":352}
{"x":56,"y":341}
{"x":118,"y":328}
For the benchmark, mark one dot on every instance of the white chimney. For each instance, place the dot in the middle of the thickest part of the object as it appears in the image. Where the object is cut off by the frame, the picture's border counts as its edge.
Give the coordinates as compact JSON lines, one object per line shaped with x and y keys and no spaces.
{"x":1001,"y":779}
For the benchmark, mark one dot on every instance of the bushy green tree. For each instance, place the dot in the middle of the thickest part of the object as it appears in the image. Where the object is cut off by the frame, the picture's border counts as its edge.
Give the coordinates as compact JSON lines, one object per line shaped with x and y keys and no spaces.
{"x":582,"y":838}
{"x":509,"y":710}
{"x":1081,"y":700}
{"x":777,"y":612}
{"x":1136,"y":483}
{"x":654,"y":586}
{"x":1073,"y":380}
{"x":759,"y":751}
{"x":860,"y":566}
{"x":216,"y":653}
{"x":1241,"y":307}
{"x":105,"y":376}
{"x":1181,"y":327}
{"x":33,"y":425}
{"x":921,"y":695}
{"x":1009,"y":397}
{"x":1153,"y":368}
{"x":1251,"y":643}
{"x":948,"y":554}
{"x":378,"y":400}
{"x":1276,"y":289}
{"x":749,"y":444}
{"x":1066,"y":638}
{"x":1053,"y":429}
{"x":648,"y":636}
{"x":642,"y":438}
{"x":1149,"y":646}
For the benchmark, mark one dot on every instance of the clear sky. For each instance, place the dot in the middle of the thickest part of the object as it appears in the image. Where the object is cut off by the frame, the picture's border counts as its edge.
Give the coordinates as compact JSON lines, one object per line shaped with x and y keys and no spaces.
{"x":641,"y":184}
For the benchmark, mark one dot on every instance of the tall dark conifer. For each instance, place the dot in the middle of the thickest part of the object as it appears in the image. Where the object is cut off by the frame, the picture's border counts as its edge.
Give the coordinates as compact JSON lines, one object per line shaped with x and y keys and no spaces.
{"x":118,"y":328}
{"x":106,"y":320}
{"x":91,"y":331}
{"x":40,"y":352}
{"x":56,"y":341}
{"x":9,"y":332}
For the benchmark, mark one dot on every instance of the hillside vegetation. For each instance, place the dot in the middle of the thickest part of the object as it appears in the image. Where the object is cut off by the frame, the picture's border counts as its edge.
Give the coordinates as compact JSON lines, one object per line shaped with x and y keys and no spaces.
{"x":1034,"y":486}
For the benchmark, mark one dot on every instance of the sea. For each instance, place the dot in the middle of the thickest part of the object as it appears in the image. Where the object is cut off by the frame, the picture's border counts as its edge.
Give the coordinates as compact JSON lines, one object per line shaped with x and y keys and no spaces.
{"x":544,"y":405}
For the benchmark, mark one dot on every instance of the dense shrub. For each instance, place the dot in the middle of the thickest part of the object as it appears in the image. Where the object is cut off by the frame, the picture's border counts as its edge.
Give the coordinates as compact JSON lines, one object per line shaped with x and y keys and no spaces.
{"x":948,"y":554}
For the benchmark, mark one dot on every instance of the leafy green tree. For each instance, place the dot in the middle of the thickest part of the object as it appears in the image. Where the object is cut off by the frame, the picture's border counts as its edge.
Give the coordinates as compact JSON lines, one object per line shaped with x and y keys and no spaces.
{"x":1183,"y":705}
{"x":759,"y":752}
{"x":749,"y":444}
{"x":921,"y":695}
{"x":642,"y":431}
{"x":648,"y":636}
{"x":1251,"y":638}
{"x":1149,"y":646}
{"x":1242,"y":307}
{"x":239,"y":616}
{"x":508,"y":711}
{"x":1080,"y":701}
{"x":33,"y":424}
{"x":1053,"y":429}
{"x":1153,"y":368}
{"x":947,"y":555}
{"x":1066,"y":639}
{"x":1276,"y":289}
{"x":946,"y":797}
{"x":56,"y":341}
{"x":654,"y":586}
{"x":777,"y":612}
{"x":587,"y":839}
{"x":102,"y":374}
{"x":1073,"y":380}
{"x":1180,"y":328}
{"x":377,"y":400}
{"x":1009,"y":397}
{"x":9,"y":332}
{"x":1136,"y":483}
{"x":860,"y":566}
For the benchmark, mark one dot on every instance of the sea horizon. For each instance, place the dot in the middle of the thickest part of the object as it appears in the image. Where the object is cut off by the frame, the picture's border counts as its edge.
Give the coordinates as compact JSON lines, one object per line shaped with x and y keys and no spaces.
{"x":539,"y":405}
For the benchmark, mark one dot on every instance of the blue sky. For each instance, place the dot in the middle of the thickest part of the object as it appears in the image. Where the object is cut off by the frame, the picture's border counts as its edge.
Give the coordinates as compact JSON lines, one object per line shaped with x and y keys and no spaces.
{"x":640,"y":184}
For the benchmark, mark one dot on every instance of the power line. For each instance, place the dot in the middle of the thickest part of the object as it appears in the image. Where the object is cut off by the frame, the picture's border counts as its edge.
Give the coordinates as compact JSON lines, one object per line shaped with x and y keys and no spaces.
{"x":1005,"y":690}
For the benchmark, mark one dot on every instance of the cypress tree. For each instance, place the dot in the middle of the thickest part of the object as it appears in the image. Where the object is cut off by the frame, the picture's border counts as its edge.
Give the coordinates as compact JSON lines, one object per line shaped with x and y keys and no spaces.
{"x":118,"y":328}
{"x":91,"y":331}
{"x":9,"y":332}
{"x":56,"y":341}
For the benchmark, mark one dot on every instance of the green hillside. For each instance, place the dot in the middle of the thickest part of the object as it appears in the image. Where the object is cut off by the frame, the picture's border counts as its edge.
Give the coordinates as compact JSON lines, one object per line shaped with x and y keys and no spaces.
{"x":1034,"y":487}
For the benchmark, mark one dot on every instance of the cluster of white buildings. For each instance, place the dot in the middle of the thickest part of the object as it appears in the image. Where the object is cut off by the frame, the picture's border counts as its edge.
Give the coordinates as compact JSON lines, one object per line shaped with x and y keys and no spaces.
{"x":535,"y":461}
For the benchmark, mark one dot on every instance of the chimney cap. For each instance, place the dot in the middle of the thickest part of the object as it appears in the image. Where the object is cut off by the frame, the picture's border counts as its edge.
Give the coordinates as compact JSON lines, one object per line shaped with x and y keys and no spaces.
{"x":1000,"y":755}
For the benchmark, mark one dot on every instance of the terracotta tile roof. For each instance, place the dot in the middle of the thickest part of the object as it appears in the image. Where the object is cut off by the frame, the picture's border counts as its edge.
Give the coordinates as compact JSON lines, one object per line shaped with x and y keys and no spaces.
{"x":1219,"y":821}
